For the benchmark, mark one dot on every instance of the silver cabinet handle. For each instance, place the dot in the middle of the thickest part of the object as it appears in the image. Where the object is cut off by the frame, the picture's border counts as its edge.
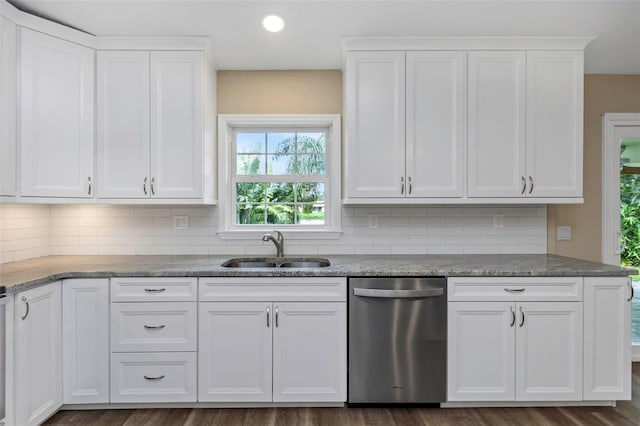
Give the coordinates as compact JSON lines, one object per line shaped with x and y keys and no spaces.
{"x":522,"y":320}
{"x":268,"y":314}
{"x":398,"y":294}
{"x":513,"y":317}
{"x":401,"y":185}
{"x":631,"y":288}
{"x":154,"y":290}
{"x":26,"y":314}
{"x":514,"y":290}
{"x":531,"y":183}
{"x":89,"y":179}
{"x":276,"y":316}
{"x":153,"y":181}
{"x":154,"y":327}
{"x":154,"y":378}
{"x":410,"y":185}
{"x":144,"y":186}
{"x":524,"y":185}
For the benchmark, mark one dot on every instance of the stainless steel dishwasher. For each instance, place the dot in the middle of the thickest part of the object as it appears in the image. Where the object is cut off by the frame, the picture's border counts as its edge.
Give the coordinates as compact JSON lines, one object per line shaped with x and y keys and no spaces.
{"x":397,"y":340}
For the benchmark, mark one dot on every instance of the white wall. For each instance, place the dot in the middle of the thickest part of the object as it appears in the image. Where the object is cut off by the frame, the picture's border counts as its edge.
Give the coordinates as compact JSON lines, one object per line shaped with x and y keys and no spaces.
{"x":33,"y":230}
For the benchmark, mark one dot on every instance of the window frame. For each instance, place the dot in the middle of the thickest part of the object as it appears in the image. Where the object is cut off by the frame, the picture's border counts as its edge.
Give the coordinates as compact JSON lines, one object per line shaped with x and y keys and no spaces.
{"x":229,"y":123}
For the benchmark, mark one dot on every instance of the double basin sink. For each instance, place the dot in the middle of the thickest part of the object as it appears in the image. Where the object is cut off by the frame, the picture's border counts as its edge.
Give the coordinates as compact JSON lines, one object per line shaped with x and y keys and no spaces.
{"x":277,"y":262}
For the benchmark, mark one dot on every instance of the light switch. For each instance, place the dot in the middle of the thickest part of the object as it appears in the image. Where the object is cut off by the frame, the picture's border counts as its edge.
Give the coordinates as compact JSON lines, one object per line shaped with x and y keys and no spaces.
{"x":181,"y":222}
{"x":373,"y":221}
{"x":563,"y":233}
{"x":498,"y":221}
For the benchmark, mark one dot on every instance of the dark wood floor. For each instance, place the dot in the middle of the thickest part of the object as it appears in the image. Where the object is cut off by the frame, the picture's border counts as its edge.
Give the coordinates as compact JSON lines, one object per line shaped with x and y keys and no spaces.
{"x":626,"y":413}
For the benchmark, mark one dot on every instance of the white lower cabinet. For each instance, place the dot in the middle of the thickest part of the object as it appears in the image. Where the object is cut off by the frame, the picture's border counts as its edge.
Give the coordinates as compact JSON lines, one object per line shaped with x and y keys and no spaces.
{"x":293,"y":351}
{"x":85,"y":338}
{"x":38,"y":350}
{"x":517,"y":350}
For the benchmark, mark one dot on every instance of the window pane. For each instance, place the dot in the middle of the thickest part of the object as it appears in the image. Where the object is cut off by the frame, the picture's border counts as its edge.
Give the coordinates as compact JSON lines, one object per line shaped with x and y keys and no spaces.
{"x":280,"y":164}
{"x":250,"y":214}
{"x":250,"y":192}
{"x":311,"y":214}
{"x":310,"y":192}
{"x":311,"y":164}
{"x":250,"y":164}
{"x":280,"y":192}
{"x":280,"y":214}
{"x":311,"y":143}
{"x":250,"y":142}
{"x":281,"y":143}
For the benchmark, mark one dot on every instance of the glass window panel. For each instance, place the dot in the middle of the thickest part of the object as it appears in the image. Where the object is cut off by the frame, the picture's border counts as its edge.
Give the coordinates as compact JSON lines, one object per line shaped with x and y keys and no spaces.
{"x":311,"y":164}
{"x":311,"y":214}
{"x":311,"y":143}
{"x":250,"y":214}
{"x":281,"y":192}
{"x":250,"y":164}
{"x":247,"y":142}
{"x":280,"y":165}
{"x":280,"y":214}
{"x":281,"y":143}
{"x":250,"y":192}
{"x":310,"y":192}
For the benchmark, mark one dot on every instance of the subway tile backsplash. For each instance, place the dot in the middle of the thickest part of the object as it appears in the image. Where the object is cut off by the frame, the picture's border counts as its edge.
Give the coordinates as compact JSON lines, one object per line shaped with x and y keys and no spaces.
{"x":36,"y":230}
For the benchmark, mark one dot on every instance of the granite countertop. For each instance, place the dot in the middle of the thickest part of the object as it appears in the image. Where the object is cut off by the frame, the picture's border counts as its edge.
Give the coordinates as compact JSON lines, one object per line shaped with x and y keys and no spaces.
{"x":34,"y":272}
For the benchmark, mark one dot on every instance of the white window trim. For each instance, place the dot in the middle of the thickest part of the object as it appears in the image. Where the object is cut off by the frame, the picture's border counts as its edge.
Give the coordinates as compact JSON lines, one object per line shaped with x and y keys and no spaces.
{"x":227,"y":122}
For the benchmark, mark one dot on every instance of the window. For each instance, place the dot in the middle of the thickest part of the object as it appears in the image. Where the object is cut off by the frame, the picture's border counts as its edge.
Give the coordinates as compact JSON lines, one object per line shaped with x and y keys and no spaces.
{"x":279,"y":172}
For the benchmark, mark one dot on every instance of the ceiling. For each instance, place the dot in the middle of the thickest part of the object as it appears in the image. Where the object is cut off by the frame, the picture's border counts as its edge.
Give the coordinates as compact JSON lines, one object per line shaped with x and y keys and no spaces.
{"x":311,"y":38}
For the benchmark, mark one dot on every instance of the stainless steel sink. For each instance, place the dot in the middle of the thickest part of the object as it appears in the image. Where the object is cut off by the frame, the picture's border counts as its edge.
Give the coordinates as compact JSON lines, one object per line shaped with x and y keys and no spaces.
{"x":277,"y":262}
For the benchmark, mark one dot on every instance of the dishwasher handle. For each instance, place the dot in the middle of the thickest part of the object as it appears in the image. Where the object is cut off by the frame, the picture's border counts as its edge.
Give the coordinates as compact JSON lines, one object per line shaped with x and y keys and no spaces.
{"x":398,"y":294}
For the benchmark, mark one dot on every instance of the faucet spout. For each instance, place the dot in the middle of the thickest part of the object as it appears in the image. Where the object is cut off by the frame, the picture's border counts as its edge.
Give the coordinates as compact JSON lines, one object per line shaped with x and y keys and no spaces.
{"x":278,"y":241}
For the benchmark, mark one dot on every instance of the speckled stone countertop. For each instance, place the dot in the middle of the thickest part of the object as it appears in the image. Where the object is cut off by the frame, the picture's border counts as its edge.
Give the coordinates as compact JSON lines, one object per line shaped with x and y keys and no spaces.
{"x":34,"y":272}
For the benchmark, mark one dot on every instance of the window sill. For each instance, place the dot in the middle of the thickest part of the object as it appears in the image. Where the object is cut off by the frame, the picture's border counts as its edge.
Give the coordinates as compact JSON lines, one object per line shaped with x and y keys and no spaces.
{"x":289,"y":234}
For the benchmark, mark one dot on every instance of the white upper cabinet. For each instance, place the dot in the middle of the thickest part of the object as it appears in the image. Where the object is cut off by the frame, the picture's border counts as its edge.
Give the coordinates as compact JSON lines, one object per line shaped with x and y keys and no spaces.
{"x":496,"y":145}
{"x":555,"y":82}
{"x":8,"y":81}
{"x":435,"y":124}
{"x":56,"y":117}
{"x":375,"y":129}
{"x":151,"y":134}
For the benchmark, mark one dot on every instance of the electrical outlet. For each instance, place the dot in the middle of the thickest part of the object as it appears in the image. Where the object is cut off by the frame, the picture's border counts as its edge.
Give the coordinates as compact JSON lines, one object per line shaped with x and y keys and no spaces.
{"x":373,"y":221}
{"x":181,"y":222}
{"x":563,"y":233}
{"x":498,"y":221}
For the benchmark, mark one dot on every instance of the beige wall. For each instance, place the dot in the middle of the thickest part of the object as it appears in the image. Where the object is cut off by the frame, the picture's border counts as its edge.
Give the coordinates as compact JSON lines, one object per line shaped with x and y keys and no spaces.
{"x":603,"y":93}
{"x":280,"y":92}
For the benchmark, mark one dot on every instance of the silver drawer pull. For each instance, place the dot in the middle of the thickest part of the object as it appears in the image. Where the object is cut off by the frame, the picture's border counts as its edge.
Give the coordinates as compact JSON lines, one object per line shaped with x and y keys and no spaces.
{"x":514,"y":290}
{"x":398,"y":294}
{"x":154,"y":327}
{"x":26,"y":314}
{"x":154,"y":290}
{"x":154,"y":378}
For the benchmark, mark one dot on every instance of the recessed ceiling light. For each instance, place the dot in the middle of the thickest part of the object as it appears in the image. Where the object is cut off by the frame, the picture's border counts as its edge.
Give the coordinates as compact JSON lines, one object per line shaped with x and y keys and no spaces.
{"x":273,"y":22}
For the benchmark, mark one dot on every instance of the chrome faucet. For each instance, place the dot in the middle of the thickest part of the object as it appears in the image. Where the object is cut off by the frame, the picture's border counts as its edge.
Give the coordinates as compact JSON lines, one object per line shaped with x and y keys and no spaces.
{"x":278,"y":240}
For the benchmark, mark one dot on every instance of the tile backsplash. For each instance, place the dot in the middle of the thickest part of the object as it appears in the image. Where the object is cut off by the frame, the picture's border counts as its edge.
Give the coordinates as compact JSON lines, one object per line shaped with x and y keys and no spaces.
{"x":36,"y":230}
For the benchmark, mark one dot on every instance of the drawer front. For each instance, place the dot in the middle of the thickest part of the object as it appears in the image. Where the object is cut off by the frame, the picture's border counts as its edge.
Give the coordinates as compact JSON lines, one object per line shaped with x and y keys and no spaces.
{"x":471,"y":289}
{"x":255,"y":289}
{"x":148,"y":327}
{"x":154,"y":289}
{"x":164,"y":377}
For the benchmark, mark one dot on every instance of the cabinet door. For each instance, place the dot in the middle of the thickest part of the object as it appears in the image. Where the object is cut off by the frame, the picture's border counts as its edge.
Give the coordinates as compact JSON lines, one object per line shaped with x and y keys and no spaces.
{"x":554,"y":123}
{"x":123,"y":124}
{"x":176,"y":124}
{"x":85,"y":341}
{"x":234,"y":353}
{"x":549,"y":351}
{"x":436,"y":123}
{"x":8,"y":104}
{"x":496,"y":147}
{"x":56,"y":121}
{"x":375,"y":124}
{"x":481,"y":341}
{"x":38,"y":361}
{"x":310,"y":352}
{"x":607,"y":338}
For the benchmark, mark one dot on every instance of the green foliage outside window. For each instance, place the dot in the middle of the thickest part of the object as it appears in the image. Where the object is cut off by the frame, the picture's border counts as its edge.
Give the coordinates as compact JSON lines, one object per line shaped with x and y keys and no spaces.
{"x":630,"y":218}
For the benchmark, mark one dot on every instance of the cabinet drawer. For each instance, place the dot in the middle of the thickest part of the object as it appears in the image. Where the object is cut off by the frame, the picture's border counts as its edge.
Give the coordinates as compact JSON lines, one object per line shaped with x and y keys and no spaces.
{"x":289,"y":289}
{"x":154,"y":289}
{"x":147,"y":327}
{"x":149,"y":377}
{"x":471,"y":289}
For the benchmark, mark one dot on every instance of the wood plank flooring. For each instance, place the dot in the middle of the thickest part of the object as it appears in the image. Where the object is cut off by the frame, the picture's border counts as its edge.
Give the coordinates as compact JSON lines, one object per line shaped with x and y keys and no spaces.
{"x":626,"y":413}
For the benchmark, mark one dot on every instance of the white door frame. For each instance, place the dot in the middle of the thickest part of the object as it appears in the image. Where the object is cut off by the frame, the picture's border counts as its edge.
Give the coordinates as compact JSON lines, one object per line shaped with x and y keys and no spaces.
{"x":614,"y":127}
